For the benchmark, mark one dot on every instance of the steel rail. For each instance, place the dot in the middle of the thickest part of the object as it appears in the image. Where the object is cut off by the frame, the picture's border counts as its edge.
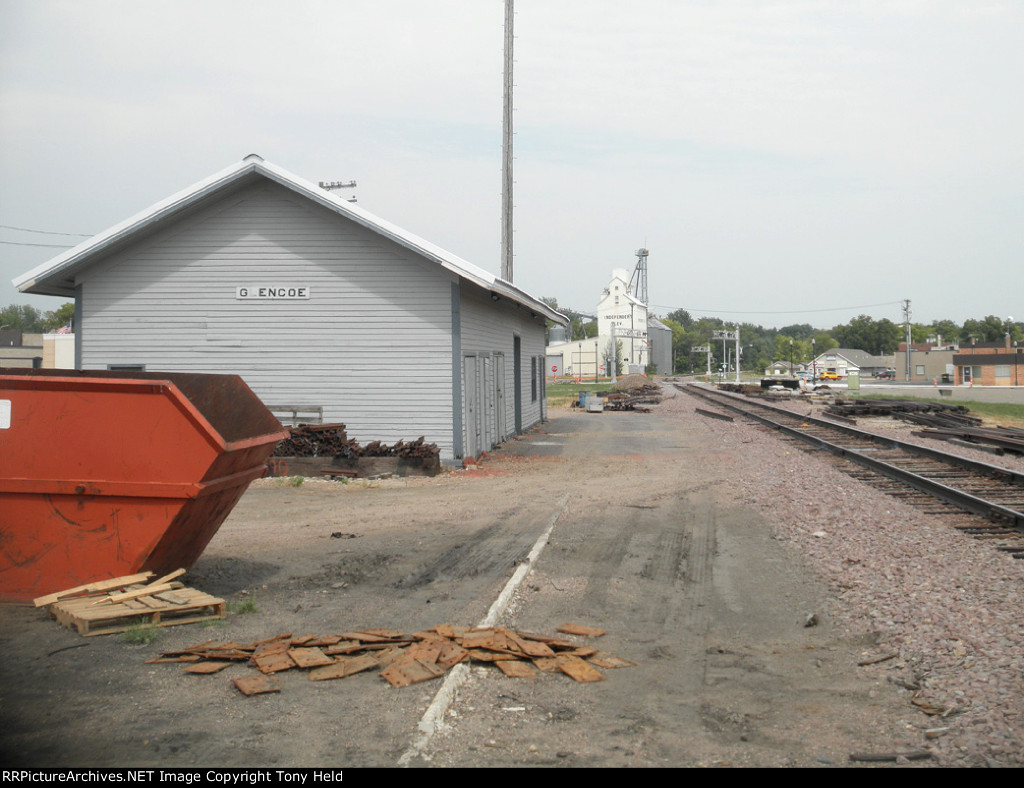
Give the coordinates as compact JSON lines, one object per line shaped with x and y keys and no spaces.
{"x":964,"y":500}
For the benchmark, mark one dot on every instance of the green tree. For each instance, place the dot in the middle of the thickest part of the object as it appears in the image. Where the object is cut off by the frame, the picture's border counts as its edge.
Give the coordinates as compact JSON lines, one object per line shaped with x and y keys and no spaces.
{"x":61,"y":316}
{"x":682,"y":317}
{"x":990,"y":329}
{"x":864,"y":333}
{"x":947,"y":329}
{"x":22,"y":317}
{"x":580,"y":326}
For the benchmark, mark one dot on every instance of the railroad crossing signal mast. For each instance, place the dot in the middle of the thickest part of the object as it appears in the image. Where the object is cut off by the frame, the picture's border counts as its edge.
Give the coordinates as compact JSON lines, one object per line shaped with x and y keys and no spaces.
{"x":638,"y":282}
{"x":724,"y":335}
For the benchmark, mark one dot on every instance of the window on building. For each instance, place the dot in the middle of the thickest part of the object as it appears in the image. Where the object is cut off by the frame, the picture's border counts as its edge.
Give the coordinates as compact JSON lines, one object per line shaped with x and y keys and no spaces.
{"x":919,"y":369}
{"x":533,"y":379}
{"x":1002,"y":370}
{"x":127,"y":367}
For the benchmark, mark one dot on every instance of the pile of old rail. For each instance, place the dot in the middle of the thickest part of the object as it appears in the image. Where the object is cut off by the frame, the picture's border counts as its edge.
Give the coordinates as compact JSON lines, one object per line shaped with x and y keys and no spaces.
{"x":986,"y":490}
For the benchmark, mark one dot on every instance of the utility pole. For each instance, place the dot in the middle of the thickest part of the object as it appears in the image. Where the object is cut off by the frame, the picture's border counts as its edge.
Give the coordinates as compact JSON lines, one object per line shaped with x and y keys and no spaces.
{"x":906,"y":321}
{"x":506,"y":152}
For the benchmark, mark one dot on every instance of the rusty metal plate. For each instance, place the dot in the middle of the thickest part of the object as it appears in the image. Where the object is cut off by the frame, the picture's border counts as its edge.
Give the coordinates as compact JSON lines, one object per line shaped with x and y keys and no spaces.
{"x":547,"y":664}
{"x":517,"y":669}
{"x":379,"y":635}
{"x":581,"y":629}
{"x":603,"y":660}
{"x":344,"y":647}
{"x":256,"y":684}
{"x":274,"y":663}
{"x":425,"y":650}
{"x":303,"y":640}
{"x":388,"y":655}
{"x":275,"y":646}
{"x":577,"y":669}
{"x":402,"y":673}
{"x":451,"y":654}
{"x":207,"y":667}
{"x":553,"y":642}
{"x":531,"y":648}
{"x":324,"y":640}
{"x":343,"y":668}
{"x":485,"y":638}
{"x":482,"y":655}
{"x":309,"y":657}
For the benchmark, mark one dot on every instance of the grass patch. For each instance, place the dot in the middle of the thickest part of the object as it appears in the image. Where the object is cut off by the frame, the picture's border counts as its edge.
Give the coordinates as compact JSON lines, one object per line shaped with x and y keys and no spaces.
{"x":560,"y":395}
{"x":242,"y":606}
{"x":140,"y":634}
{"x":290,"y":481}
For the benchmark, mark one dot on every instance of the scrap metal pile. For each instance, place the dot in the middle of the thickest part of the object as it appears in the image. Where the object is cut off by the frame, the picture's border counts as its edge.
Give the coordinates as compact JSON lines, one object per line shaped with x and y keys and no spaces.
{"x":931,"y":414}
{"x":633,"y":392}
{"x":997,"y":440}
{"x":331,"y":440}
{"x":401,"y":659}
{"x":951,"y":423}
{"x":633,"y":399}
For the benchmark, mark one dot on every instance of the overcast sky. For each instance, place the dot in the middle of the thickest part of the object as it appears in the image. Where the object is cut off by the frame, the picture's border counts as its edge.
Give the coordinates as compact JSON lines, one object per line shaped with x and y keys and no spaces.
{"x":784,"y":161}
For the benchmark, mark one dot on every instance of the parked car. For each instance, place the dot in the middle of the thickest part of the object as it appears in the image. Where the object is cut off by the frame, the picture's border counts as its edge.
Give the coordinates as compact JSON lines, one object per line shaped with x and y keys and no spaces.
{"x":829,"y":375}
{"x":887,"y":374}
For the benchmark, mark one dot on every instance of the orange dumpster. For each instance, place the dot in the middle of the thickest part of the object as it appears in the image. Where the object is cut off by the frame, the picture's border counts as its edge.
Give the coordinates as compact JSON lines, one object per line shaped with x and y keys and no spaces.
{"x":104,"y":474}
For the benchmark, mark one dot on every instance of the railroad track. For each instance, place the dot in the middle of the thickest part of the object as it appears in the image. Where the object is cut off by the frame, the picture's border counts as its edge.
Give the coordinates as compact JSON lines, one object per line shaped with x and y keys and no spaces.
{"x":924,"y":476}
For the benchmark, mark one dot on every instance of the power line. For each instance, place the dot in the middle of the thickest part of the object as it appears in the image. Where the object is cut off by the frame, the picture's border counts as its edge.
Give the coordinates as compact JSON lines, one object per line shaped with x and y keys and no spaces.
{"x":43,"y":232}
{"x":23,"y":243}
{"x":786,"y":312}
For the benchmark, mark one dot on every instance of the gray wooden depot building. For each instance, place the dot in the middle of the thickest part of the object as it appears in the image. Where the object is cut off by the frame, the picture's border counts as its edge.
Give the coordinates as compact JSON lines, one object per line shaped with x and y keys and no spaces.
{"x":316,"y":303}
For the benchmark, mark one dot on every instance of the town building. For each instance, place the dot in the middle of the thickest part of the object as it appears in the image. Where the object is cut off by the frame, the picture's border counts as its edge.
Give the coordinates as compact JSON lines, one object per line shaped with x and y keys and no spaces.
{"x":929,"y":361}
{"x":990,"y":364}
{"x":849,"y":361}
{"x":623,"y":327}
{"x":324,"y":309}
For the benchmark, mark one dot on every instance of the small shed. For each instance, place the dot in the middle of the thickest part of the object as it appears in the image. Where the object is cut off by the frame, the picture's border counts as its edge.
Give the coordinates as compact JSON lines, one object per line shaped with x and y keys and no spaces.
{"x":316,"y":303}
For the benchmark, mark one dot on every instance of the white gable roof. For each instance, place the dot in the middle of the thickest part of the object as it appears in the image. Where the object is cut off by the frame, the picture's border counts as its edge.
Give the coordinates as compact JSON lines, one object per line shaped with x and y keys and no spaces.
{"x":56,"y":277}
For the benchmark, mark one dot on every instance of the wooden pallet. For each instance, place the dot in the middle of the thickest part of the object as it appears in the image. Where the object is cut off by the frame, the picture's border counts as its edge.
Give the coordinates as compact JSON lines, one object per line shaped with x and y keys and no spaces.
{"x":181,"y":606}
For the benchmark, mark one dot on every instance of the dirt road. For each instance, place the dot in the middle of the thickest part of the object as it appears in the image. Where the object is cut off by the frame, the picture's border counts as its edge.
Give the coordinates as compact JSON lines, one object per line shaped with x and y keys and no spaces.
{"x":647,"y":539}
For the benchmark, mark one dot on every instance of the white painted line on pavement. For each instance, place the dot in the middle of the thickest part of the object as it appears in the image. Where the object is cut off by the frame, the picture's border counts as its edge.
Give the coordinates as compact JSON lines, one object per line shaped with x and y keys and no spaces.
{"x":433,"y":718}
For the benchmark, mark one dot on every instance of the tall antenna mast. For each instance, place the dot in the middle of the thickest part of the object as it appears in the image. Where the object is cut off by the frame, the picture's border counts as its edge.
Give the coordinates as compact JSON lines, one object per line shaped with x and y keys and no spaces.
{"x":638,"y":282}
{"x":506,"y":153}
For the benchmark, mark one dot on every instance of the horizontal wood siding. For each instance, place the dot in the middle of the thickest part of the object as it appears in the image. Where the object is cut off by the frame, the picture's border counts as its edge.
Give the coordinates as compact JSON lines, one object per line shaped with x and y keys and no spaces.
{"x":372,"y":344}
{"x":489,"y":327}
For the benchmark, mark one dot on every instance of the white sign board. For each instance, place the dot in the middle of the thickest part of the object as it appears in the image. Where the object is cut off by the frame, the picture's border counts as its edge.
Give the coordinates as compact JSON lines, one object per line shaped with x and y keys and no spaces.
{"x":5,"y":414}
{"x":272,"y":293}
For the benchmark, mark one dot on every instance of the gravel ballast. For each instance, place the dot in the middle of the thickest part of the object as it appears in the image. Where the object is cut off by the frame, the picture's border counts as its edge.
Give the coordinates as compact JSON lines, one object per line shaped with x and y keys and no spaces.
{"x":946,"y":605}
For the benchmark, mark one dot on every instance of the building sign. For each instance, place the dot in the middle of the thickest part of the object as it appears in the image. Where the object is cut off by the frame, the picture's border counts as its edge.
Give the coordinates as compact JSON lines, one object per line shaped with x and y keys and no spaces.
{"x":273,"y":293}
{"x":629,"y":333}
